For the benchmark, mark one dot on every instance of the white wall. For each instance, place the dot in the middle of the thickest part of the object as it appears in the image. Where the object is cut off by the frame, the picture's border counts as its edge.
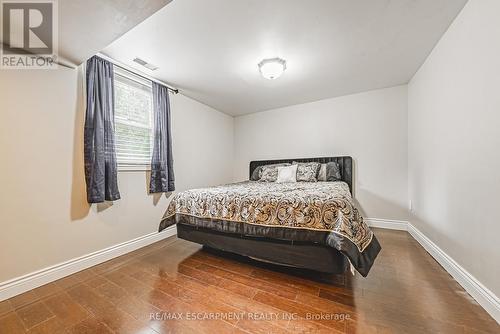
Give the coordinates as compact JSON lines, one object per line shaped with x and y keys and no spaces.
{"x":371,"y":127}
{"x":454,"y":142}
{"x":44,"y":217}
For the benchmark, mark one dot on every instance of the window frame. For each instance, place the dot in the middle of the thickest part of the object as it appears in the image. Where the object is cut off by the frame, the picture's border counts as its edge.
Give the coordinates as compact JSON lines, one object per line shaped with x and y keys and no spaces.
{"x":130,"y":75}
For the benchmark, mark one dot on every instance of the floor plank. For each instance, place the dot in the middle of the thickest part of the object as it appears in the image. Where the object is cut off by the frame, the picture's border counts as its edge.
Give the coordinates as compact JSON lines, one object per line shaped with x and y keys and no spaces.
{"x":212,"y":292}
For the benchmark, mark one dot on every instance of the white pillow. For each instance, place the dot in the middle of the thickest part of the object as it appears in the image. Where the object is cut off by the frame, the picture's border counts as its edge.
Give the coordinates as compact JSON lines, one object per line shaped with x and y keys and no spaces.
{"x":287,"y":174}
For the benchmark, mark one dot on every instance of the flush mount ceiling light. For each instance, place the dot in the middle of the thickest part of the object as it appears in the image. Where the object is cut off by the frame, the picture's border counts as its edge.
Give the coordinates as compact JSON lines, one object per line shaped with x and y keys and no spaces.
{"x":272,"y":68}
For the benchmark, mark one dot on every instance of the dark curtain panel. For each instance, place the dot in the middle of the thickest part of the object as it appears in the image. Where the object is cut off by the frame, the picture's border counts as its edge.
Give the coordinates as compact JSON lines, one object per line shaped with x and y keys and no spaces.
{"x":162,"y":168}
{"x":99,"y":135}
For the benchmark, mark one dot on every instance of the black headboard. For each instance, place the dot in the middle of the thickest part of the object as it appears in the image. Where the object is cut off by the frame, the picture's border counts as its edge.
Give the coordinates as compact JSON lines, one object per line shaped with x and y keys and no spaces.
{"x":345,"y":164}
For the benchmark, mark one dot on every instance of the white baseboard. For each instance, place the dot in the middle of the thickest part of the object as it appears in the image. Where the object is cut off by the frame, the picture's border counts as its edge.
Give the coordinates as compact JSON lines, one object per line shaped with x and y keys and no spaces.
{"x":487,"y":299}
{"x":387,"y":223}
{"x":38,"y":278}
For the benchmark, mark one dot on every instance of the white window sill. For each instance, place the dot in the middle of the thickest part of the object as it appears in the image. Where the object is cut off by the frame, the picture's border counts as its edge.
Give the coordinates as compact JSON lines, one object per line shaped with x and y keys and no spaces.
{"x":134,"y":168}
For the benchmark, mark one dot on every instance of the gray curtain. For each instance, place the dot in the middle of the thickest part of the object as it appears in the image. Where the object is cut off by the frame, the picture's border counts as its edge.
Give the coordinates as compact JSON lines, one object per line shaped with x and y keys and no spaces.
{"x":99,"y":135}
{"x":162,"y":169}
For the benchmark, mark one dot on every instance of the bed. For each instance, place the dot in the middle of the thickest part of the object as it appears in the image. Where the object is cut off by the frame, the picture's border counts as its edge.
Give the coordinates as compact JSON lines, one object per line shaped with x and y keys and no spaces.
{"x":309,"y":225}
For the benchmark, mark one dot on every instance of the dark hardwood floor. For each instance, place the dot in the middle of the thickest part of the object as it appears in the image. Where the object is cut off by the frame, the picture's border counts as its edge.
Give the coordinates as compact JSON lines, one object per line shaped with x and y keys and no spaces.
{"x":173,"y":286}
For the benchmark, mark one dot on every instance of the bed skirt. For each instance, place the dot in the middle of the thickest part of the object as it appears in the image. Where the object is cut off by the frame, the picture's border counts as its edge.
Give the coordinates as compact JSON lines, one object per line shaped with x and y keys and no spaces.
{"x":294,"y":238}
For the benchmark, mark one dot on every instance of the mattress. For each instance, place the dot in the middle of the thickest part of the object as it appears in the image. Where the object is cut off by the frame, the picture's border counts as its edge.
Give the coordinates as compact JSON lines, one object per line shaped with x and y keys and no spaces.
{"x":314,"y":212}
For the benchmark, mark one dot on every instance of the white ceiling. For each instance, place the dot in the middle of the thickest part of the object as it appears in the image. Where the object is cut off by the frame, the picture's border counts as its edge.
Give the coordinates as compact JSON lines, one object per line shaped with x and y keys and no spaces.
{"x":87,"y":26}
{"x":210,"y":49}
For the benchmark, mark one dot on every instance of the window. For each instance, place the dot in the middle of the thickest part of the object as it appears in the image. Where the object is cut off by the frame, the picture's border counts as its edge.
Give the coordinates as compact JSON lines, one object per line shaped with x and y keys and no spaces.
{"x":133,"y":120}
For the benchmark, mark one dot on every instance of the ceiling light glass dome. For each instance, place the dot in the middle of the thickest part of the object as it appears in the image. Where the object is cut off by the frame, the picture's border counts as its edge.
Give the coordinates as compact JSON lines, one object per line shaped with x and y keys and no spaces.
{"x":272,"y":68}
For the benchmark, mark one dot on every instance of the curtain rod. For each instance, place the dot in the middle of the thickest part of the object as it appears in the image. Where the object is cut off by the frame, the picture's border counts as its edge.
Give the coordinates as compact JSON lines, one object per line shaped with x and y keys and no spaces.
{"x":136,"y":72}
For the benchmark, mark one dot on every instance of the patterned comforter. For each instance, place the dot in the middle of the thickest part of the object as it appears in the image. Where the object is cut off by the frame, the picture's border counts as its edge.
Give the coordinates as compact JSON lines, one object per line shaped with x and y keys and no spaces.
{"x":324,"y":208}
